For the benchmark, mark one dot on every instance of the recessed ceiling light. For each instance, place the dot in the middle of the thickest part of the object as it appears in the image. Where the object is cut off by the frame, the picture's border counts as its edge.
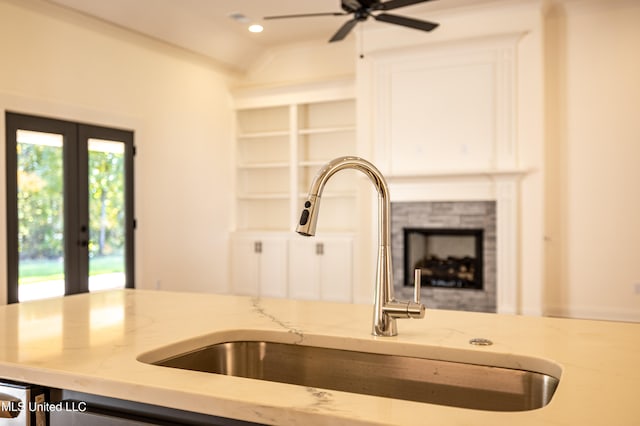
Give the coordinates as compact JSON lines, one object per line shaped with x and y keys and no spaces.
{"x":256,"y":28}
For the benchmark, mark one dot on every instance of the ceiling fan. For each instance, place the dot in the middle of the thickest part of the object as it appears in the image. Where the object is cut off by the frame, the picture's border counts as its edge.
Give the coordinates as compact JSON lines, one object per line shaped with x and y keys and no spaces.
{"x":363,"y":9}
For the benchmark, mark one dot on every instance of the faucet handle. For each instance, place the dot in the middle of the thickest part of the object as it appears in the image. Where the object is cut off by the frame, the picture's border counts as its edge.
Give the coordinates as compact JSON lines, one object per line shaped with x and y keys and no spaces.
{"x":416,"y":309}
{"x":407,"y":309}
{"x":417,"y":283}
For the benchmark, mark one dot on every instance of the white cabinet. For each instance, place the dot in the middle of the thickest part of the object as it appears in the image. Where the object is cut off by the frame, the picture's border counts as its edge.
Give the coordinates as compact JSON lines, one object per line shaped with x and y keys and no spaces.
{"x":289,"y":265}
{"x":321,"y":268}
{"x":259,"y":265}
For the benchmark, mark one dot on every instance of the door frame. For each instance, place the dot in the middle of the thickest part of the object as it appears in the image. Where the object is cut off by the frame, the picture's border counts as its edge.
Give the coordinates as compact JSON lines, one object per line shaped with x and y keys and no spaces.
{"x":76,"y":207}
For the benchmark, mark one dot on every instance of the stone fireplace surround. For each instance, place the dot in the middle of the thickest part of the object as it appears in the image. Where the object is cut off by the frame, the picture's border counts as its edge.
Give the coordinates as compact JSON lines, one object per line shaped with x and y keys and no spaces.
{"x":501,"y":189}
{"x":457,"y":215}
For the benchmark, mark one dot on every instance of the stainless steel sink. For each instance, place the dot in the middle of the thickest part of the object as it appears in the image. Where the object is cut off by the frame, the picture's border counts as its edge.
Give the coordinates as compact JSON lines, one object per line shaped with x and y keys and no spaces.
{"x":448,"y":383}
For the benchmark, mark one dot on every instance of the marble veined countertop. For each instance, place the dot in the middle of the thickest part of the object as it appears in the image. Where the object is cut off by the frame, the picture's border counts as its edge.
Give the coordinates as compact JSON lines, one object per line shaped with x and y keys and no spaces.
{"x":93,"y":342}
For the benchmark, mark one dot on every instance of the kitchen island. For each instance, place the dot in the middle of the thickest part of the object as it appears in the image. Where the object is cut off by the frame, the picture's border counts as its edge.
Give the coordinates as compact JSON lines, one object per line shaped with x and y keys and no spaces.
{"x":101,"y":343}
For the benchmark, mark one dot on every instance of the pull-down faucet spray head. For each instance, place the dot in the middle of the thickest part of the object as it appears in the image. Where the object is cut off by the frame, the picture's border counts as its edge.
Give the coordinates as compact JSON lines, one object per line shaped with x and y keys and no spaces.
{"x":309,"y":217}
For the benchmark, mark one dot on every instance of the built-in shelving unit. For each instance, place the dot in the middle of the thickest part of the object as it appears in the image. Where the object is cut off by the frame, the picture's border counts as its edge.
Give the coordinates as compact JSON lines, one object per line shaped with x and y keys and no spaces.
{"x":284,"y":136}
{"x":280,"y":148}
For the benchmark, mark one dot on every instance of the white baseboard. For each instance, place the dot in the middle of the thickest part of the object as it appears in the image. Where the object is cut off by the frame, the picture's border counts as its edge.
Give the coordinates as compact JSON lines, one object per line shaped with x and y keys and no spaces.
{"x":606,"y":313}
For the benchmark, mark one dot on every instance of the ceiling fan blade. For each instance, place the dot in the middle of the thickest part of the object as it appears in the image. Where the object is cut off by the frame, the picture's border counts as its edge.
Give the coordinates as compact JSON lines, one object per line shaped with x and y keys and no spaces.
{"x":394,"y":4}
{"x":405,"y":22}
{"x":306,"y":15}
{"x":344,"y":30}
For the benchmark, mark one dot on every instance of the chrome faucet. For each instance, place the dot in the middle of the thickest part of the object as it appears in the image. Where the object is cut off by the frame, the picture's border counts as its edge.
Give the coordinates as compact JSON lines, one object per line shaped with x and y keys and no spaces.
{"x":386,"y":308}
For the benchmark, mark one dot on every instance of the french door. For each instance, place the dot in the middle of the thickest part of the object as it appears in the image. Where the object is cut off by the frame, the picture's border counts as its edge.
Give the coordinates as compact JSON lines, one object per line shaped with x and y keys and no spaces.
{"x":70,"y":216}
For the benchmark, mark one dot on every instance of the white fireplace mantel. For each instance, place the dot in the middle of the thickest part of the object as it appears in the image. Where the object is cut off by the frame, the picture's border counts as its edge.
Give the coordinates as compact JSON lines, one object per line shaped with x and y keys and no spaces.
{"x":449,"y":108}
{"x":458,"y":115}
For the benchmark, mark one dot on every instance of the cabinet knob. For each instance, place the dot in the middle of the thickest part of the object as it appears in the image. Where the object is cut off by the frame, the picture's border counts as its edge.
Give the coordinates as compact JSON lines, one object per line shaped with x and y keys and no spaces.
{"x":257,"y":247}
{"x":319,"y":249}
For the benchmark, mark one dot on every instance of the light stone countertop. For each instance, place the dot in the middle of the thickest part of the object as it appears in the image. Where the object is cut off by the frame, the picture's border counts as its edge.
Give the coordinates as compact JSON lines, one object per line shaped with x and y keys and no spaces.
{"x":91,"y":343}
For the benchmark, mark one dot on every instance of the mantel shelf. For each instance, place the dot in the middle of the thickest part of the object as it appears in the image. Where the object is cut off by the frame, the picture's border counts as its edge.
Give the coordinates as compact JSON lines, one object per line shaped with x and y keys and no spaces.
{"x":452,"y":174}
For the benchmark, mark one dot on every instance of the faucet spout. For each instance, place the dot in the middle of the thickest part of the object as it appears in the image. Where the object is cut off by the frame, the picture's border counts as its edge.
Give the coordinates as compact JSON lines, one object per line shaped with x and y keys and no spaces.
{"x":386,"y":308}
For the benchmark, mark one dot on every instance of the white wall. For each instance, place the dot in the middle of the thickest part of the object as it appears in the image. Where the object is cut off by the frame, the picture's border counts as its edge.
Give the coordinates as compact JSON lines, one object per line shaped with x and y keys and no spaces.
{"x":302,"y":62}
{"x":593,"y":147}
{"x":65,"y":65}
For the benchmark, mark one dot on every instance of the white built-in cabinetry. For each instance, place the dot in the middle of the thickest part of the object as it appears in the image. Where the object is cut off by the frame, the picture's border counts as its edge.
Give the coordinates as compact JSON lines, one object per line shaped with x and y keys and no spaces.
{"x":321,"y":268}
{"x":283,"y":137}
{"x":259,"y":264}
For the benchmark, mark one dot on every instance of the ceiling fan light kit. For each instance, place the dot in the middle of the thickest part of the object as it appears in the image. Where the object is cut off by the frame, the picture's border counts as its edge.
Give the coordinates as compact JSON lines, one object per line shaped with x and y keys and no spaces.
{"x":363,"y":9}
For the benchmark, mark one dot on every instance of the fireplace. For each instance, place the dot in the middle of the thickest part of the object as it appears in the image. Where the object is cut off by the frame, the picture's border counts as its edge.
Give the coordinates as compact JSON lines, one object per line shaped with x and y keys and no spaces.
{"x":457,"y":230}
{"x":447,"y":257}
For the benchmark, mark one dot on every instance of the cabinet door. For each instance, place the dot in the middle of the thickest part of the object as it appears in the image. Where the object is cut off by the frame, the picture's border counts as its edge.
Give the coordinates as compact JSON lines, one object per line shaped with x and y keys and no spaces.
{"x":321,"y":269}
{"x":336,"y":267}
{"x":259,"y":265}
{"x":273,"y":267}
{"x":304,"y":279}
{"x":245,"y":266}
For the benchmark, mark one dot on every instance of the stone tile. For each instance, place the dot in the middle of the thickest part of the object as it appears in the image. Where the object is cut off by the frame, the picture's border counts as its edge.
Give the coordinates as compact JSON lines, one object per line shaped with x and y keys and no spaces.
{"x":447,"y":215}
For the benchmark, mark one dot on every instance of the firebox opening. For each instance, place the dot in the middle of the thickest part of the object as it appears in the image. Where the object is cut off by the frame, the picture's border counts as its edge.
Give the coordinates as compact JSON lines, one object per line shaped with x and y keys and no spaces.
{"x":448,"y":258}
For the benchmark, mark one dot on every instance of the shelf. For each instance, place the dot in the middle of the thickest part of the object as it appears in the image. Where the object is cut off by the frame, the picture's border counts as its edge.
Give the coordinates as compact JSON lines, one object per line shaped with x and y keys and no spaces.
{"x":313,"y":163}
{"x":331,"y":194}
{"x":264,"y":196}
{"x":259,"y":135}
{"x":324,"y":130}
{"x":272,"y":165}
{"x":471,"y":173}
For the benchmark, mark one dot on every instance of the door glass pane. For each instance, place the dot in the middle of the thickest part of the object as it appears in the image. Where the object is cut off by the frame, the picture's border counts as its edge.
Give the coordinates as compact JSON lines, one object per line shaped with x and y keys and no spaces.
{"x":40,"y":215}
{"x":106,"y":214}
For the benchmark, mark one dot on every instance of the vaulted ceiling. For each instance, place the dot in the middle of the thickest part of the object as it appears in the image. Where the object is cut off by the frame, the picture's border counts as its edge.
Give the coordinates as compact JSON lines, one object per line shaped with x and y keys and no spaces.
{"x":205,"y":26}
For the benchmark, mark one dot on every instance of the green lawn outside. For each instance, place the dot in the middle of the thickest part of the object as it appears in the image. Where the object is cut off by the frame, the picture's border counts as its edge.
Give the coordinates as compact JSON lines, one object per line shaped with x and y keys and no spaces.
{"x":33,"y":271}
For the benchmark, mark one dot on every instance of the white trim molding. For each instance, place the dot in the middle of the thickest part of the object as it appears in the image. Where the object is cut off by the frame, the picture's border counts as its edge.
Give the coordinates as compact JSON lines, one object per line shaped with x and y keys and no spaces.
{"x":452,"y":102}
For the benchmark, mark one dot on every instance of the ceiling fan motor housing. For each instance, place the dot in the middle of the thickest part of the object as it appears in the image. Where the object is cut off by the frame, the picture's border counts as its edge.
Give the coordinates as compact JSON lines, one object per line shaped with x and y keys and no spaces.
{"x":362,"y":9}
